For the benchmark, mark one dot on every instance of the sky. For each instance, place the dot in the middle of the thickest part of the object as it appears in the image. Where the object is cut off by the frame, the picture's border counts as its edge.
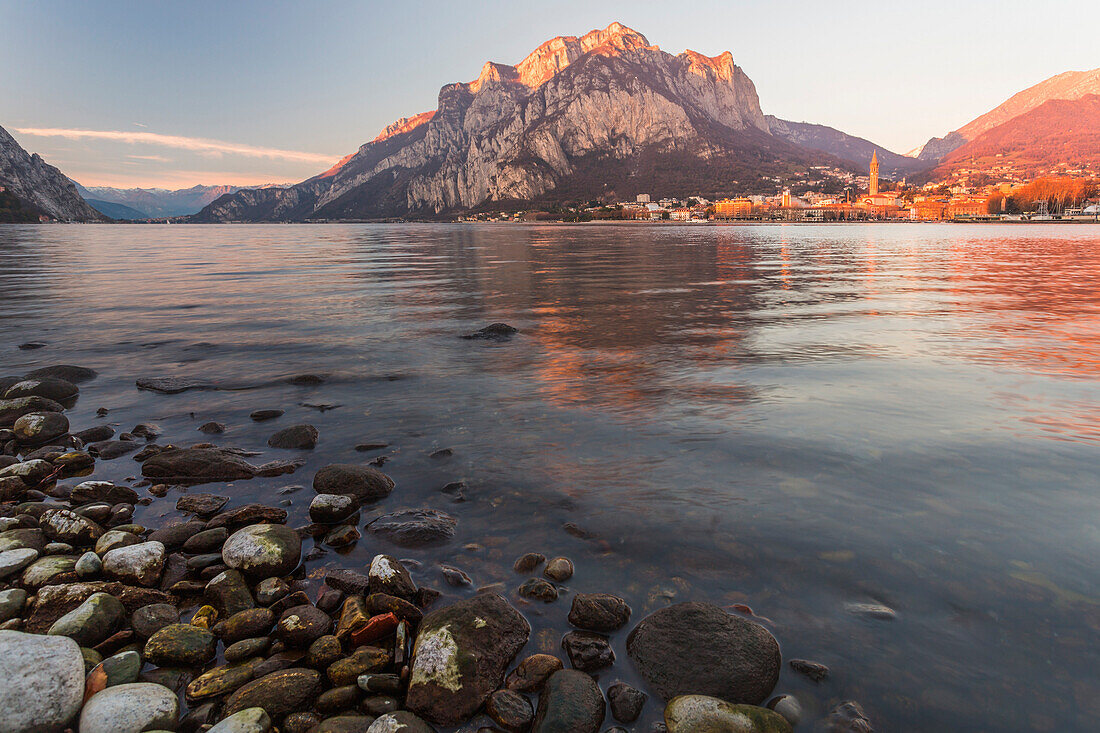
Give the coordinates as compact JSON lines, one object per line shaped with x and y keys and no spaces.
{"x":174,"y":94}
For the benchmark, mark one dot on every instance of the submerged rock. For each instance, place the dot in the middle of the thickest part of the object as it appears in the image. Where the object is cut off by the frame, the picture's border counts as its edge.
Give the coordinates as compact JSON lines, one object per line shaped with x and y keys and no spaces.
{"x":51,"y":388}
{"x":460,"y":655}
{"x":697,"y":648}
{"x":295,"y":437}
{"x":598,"y":612}
{"x":703,"y":714}
{"x":68,"y":372}
{"x":493,"y":332}
{"x":43,"y":682}
{"x":414,"y":527}
{"x":365,"y":483}
{"x":570,"y":702}
{"x":170,"y":385}
{"x":197,"y":465}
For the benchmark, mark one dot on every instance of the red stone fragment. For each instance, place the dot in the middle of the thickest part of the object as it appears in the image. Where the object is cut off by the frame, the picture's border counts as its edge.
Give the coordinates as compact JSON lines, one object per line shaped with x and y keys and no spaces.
{"x":377,"y":627}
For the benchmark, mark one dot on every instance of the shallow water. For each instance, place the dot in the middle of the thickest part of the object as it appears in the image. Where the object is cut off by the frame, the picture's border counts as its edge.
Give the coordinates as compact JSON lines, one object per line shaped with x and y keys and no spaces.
{"x":790,"y":417}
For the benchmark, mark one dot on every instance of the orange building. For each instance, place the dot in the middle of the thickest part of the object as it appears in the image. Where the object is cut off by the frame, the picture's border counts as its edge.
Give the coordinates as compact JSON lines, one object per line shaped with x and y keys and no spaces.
{"x":966,"y":208}
{"x":733,"y":208}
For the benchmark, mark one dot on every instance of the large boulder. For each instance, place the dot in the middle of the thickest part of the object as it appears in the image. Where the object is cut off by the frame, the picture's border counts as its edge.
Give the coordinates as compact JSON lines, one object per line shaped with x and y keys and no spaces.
{"x":37,"y":428}
{"x":92,"y":621}
{"x":570,"y":702}
{"x":12,"y":410}
{"x":263,"y":550}
{"x":703,"y":714}
{"x":196,"y":466}
{"x":460,"y":655}
{"x":365,"y":483}
{"x":51,"y":388}
{"x":68,"y":372}
{"x":139,"y":564}
{"x":130,"y":708}
{"x":43,"y":682}
{"x":697,"y":648}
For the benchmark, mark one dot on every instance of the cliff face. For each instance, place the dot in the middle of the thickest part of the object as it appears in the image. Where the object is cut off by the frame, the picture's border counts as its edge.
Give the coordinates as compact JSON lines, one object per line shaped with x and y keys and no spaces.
{"x":607,"y":100}
{"x":39,"y":185}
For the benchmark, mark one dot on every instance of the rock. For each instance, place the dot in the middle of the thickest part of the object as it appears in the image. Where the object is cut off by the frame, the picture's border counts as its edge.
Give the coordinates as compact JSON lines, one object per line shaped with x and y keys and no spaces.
{"x":703,"y":714}
{"x":261,"y":415}
{"x":67,"y":372}
{"x":493,"y":332}
{"x":132,"y":708}
{"x":588,"y":652}
{"x":626,"y":702}
{"x":249,"y":720}
{"x":348,"y":581}
{"x":365,"y":483}
{"x":277,"y":693}
{"x":814,"y":670}
{"x":295,"y":437}
{"x":528,"y":562}
{"x":369,"y":445}
{"x":47,"y":570}
{"x":90,"y":623}
{"x":389,"y":576}
{"x":539,"y":589}
{"x":51,"y":388}
{"x":400,"y":721}
{"x":324,"y":651}
{"x":364,"y":660}
{"x":300,"y":626}
{"x":87,"y":492}
{"x":113,"y":539}
{"x":460,"y":655}
{"x":174,"y":535}
{"x":204,"y":505}
{"x":247,"y":623}
{"x":598,"y":612}
{"x":263,"y":550}
{"x":414,"y":527}
{"x":342,"y":536}
{"x":697,"y":648}
{"x":212,"y":428}
{"x":108,"y":450}
{"x":872,"y":610}
{"x":570,"y":702}
{"x":510,"y":710}
{"x":228,"y":593}
{"x":31,"y":345}
{"x":270,"y":590}
{"x":210,"y":540}
{"x":94,"y":434}
{"x":197,"y":465}
{"x":848,"y":717}
{"x":219,"y":681}
{"x":36,"y":428}
{"x":13,"y":561}
{"x":248,"y":514}
{"x":532,"y":673}
{"x":180,"y":645}
{"x":787,"y":706}
{"x":139,"y":564}
{"x":12,"y":410}
{"x":15,"y":539}
{"x":244,"y":649}
{"x":121,"y":669}
{"x":43,"y":682}
{"x":89,"y":565}
{"x":56,"y":600}
{"x":62,"y":525}
{"x":454,"y":576}
{"x":150,"y":619}
{"x":560,"y":569}
{"x":332,"y":508}
{"x":11,"y":603}
{"x":170,"y":385}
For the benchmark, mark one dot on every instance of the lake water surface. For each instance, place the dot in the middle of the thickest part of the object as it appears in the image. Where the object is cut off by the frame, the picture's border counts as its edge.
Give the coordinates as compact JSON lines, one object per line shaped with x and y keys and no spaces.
{"x":795,"y":418}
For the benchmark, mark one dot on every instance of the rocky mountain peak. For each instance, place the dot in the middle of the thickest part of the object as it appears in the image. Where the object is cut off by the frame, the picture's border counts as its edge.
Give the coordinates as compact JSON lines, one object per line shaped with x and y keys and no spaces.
{"x":39,"y":185}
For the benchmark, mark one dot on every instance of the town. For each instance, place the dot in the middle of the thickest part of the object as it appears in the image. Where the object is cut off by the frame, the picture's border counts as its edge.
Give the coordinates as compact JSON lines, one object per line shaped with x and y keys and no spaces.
{"x":833,"y":194}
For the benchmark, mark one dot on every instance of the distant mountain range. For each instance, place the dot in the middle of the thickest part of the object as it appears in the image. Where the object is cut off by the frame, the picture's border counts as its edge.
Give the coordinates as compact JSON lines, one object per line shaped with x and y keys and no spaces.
{"x":844,"y":146}
{"x":1071,"y":85}
{"x":152,"y":203}
{"x":36,"y":188}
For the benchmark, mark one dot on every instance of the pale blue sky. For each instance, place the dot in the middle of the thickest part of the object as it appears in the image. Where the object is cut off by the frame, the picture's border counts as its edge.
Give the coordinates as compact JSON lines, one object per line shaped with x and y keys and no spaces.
{"x":299,"y":84}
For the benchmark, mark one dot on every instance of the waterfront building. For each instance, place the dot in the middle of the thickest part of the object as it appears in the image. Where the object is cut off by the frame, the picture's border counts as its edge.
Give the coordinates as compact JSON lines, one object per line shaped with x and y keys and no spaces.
{"x":740,"y":208}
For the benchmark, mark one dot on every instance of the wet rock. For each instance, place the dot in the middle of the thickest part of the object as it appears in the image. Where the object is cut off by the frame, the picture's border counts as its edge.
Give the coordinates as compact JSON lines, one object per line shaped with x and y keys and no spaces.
{"x":277,"y":693}
{"x":510,"y":710}
{"x":454,"y":576}
{"x":174,"y":536}
{"x":150,"y":619}
{"x":697,"y":648}
{"x":204,"y":505}
{"x":306,"y":380}
{"x":248,"y":514}
{"x":588,"y":652}
{"x":36,"y":428}
{"x":87,"y":492}
{"x":389,"y":576}
{"x":703,"y":714}
{"x":342,"y":536}
{"x":460,"y":655}
{"x":295,"y":437}
{"x":559,"y":569}
{"x":270,"y":590}
{"x":530,"y":561}
{"x":88,"y":565}
{"x":814,"y":670}
{"x":212,"y":428}
{"x":848,"y":717}
{"x":302,"y":625}
{"x":51,"y":388}
{"x":338,"y":699}
{"x":381,"y":603}
{"x":362,"y":661}
{"x":113,"y":539}
{"x":872,"y":611}
{"x":787,"y":706}
{"x":139,"y":564}
{"x":120,"y":669}
{"x":538,"y":589}
{"x":197,"y":465}
{"x":11,"y":603}
{"x":95,"y":434}
{"x":210,"y":540}
{"x":332,"y":508}
{"x":67,"y":372}
{"x":389,"y":684}
{"x":170,"y":385}
{"x":324,"y":652}
{"x":93,"y":621}
{"x":244,"y":624}
{"x":12,"y":410}
{"x":130,"y":709}
{"x":414,"y":527}
{"x":400,"y":721}
{"x":262,"y":415}
{"x":263,"y":550}
{"x":31,"y":345}
{"x":55,"y":601}
{"x":32,"y":472}
{"x":108,"y":450}
{"x":43,"y":682}
{"x":493,"y":332}
{"x":180,"y":645}
{"x":244,"y":649}
{"x":570,"y":702}
{"x":219,"y":681}
{"x":598,"y":612}
{"x":365,"y":483}
{"x":14,"y":561}
{"x":62,"y":525}
{"x":47,"y":570}
{"x":626,"y":702}
{"x":370,"y":445}
{"x":249,"y":720}
{"x":301,"y":723}
{"x":532,"y":673}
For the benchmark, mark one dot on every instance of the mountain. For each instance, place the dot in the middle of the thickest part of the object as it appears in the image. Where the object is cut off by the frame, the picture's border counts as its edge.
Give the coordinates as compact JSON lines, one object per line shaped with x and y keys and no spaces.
{"x":152,"y":203}
{"x":1057,"y":133}
{"x":1070,"y":85}
{"x":847,"y":147}
{"x":40,"y":187}
{"x":606,"y":115}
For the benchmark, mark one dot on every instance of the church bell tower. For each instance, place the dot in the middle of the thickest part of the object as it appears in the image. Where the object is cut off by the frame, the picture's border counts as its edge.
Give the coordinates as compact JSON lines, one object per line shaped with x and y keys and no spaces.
{"x":874,"y":173}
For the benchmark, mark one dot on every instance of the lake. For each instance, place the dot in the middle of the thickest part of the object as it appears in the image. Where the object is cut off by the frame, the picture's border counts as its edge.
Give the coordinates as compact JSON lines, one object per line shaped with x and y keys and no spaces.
{"x":792,"y":418}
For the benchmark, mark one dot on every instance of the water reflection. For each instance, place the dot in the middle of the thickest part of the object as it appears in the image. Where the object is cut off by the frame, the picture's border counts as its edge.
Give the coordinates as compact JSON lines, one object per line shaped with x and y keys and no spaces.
{"x":791,"y":417}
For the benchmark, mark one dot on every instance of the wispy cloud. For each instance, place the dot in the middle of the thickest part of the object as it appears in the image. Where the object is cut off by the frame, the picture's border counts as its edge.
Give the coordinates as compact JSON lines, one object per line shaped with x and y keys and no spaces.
{"x":154,"y":158}
{"x":195,"y":144}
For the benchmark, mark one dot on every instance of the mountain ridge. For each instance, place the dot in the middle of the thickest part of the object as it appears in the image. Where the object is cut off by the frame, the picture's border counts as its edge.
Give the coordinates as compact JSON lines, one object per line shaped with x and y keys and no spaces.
{"x":39,"y":186}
